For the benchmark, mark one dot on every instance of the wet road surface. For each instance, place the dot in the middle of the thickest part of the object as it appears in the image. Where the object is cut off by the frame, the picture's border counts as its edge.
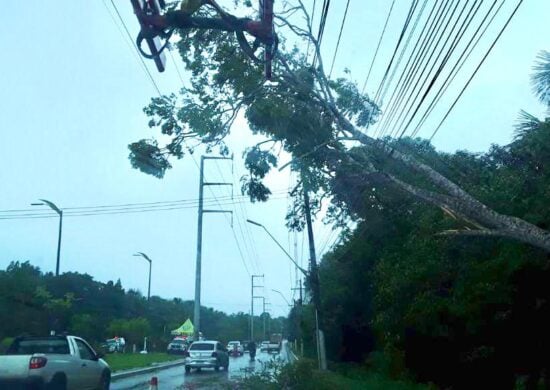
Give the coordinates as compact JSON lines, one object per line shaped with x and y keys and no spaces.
{"x":176,"y":378}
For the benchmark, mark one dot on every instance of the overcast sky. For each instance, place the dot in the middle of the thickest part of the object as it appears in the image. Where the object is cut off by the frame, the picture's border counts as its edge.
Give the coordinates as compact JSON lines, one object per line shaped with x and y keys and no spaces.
{"x":72,"y":93}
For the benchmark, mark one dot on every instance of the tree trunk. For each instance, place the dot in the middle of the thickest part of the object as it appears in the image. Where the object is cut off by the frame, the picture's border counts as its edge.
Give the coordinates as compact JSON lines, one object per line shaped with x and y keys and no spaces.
{"x":454,"y":198}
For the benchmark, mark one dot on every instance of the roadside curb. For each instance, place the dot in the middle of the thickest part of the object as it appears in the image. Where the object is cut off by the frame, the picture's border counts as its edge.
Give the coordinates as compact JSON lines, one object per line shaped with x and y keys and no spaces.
{"x":138,"y":371}
{"x":290,"y":353}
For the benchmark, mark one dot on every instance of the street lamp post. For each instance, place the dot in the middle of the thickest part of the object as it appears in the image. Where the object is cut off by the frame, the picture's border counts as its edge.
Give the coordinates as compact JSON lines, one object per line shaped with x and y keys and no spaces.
{"x":60,"y":213}
{"x":279,"y":245}
{"x":312,"y":279}
{"x":281,"y":294}
{"x":141,"y":254}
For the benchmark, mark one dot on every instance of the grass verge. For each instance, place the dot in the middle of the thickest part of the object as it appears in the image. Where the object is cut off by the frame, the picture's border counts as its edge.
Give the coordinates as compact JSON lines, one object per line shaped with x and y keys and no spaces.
{"x":125,"y":361}
{"x":303,"y":375}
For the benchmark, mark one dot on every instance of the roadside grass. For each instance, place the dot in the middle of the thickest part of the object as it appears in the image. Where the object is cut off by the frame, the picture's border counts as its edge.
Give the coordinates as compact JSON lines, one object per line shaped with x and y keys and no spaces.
{"x":125,"y":361}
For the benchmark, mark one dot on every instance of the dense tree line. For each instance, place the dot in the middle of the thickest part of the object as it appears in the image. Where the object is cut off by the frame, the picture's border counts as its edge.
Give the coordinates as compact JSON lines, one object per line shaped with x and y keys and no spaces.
{"x":405,"y":292}
{"x":33,"y":303}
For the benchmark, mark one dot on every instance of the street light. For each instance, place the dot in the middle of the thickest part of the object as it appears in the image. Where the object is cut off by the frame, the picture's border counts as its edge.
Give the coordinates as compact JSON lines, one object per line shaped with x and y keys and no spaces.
{"x":279,"y":245}
{"x":141,"y":254}
{"x":60,"y":212}
{"x":320,"y":343}
{"x":281,"y":294}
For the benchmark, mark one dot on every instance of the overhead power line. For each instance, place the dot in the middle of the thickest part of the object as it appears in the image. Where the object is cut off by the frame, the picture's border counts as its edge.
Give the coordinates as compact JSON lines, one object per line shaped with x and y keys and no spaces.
{"x":339,"y":37}
{"x":413,"y":76}
{"x":426,"y":84}
{"x":132,"y":40}
{"x":25,"y":214}
{"x":322,"y":23}
{"x":414,"y":3}
{"x":412,"y":62}
{"x":477,"y":68}
{"x":455,"y":70}
{"x":401,"y":55}
{"x":144,"y":204}
{"x":378,"y":46}
{"x":311,"y":23}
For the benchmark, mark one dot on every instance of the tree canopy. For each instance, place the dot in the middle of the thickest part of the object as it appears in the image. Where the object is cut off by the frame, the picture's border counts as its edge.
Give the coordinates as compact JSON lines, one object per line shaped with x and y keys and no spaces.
{"x":34,"y":303}
{"x":319,"y":121}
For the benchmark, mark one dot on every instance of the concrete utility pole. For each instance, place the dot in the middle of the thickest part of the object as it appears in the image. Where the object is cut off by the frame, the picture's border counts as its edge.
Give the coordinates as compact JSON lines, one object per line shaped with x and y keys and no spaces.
{"x":60,"y":213}
{"x":253,"y":286}
{"x":197,"y":307}
{"x":264,"y":314}
{"x":299,"y":289}
{"x":314,"y":280}
{"x":267,"y":317}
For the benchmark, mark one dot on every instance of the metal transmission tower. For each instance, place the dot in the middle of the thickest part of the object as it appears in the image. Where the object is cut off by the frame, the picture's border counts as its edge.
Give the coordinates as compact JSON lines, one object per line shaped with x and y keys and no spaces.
{"x":197,"y":311}
{"x":253,"y":286}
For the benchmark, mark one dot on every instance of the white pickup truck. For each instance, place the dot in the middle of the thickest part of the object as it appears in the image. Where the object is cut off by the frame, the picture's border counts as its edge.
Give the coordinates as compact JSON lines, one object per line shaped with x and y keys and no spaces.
{"x":53,"y":362}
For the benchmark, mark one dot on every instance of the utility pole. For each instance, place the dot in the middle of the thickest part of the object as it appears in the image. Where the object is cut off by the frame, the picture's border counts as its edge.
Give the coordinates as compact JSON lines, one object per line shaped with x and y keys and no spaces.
{"x":252,"y":297}
{"x":197,"y":307}
{"x":267,"y":313}
{"x":314,"y":280}
{"x":299,"y":289}
{"x":264,"y":315}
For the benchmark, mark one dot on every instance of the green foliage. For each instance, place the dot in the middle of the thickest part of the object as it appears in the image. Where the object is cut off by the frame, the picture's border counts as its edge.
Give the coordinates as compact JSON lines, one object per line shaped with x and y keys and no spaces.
{"x":289,"y":112}
{"x":5,"y":343}
{"x":457,"y":311}
{"x":146,"y":156}
{"x":34,"y":303}
{"x":134,"y":330}
{"x":541,"y":77}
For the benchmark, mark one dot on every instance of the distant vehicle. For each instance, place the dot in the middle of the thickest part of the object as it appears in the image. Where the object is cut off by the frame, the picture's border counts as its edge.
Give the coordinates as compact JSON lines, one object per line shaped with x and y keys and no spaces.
{"x":263,"y":346}
{"x":274,"y":345}
{"x":245,"y":345}
{"x":53,"y":362}
{"x":177,"y":347}
{"x":235,"y":345}
{"x":118,"y":344}
{"x":206,"y":354}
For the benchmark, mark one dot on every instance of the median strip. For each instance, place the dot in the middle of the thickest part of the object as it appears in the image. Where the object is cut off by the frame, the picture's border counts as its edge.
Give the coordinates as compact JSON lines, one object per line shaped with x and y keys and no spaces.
{"x":139,"y":371}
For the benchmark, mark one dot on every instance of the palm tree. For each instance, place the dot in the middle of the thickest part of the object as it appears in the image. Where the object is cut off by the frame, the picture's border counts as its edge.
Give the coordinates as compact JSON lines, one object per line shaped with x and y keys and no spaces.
{"x":541,"y":77}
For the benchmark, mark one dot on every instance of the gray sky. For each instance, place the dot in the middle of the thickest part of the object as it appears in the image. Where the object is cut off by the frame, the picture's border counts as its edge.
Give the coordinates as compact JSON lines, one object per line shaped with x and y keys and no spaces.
{"x":71,"y":101}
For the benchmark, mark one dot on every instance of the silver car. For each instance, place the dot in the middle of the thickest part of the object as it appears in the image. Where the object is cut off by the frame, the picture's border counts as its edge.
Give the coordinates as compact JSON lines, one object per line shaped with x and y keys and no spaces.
{"x":206,"y":354}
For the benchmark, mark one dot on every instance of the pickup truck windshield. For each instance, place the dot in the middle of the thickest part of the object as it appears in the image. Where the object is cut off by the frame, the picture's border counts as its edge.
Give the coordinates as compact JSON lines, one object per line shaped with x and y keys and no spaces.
{"x":31,"y":346}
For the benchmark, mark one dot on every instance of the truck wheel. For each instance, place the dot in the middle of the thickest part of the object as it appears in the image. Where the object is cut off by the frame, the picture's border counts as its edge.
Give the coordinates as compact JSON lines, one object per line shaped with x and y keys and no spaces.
{"x":58,"y":382}
{"x":187,"y":369}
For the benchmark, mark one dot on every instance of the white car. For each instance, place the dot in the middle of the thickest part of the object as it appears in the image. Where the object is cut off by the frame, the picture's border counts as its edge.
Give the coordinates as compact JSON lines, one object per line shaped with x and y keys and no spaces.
{"x":263,"y":346}
{"x":206,"y":354}
{"x":232,"y":345}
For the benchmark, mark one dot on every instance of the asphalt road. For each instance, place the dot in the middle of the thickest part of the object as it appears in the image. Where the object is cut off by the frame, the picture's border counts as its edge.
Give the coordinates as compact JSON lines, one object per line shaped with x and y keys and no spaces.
{"x":176,"y":378}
